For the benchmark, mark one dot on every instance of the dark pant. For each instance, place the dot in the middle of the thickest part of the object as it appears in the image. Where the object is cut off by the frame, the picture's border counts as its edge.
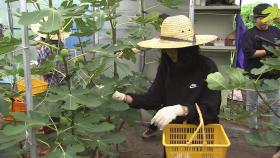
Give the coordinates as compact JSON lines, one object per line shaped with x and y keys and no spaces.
{"x":153,"y":127}
{"x":164,"y":153}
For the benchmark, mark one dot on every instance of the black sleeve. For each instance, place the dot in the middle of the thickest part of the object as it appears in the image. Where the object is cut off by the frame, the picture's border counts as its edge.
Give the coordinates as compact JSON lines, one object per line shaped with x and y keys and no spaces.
{"x":248,"y":44}
{"x":152,"y":100}
{"x":208,"y":100}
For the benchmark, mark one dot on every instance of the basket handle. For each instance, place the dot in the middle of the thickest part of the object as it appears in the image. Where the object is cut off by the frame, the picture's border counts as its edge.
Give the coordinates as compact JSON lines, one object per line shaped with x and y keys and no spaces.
{"x":200,"y":126}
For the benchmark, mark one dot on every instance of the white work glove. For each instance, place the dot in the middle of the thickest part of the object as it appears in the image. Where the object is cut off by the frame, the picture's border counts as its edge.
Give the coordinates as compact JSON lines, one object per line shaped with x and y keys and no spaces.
{"x":165,"y":115}
{"x":118,"y":96}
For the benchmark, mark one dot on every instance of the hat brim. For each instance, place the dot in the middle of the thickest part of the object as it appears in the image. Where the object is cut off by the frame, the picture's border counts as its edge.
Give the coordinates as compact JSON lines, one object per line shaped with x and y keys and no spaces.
{"x":161,"y":44}
{"x":261,"y":15}
{"x":36,"y":27}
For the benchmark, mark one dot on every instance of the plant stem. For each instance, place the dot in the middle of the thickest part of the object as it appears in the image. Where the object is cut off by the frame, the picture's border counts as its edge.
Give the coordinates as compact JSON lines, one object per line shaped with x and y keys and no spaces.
{"x":67,"y":80}
{"x":121,"y":125}
{"x":114,"y":35}
{"x":114,"y":40}
{"x":264,"y":101}
{"x":81,"y":47}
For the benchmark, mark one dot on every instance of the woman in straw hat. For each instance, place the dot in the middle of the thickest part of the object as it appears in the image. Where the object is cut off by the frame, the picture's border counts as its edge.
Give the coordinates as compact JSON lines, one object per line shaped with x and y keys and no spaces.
{"x":180,"y":80}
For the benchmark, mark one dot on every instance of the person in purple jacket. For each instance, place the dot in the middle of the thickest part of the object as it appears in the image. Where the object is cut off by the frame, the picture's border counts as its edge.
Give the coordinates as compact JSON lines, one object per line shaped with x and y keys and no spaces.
{"x":180,"y":81}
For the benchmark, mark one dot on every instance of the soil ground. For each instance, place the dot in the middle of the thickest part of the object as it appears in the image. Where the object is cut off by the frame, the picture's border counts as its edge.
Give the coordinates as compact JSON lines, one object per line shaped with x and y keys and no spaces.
{"x":136,"y":147}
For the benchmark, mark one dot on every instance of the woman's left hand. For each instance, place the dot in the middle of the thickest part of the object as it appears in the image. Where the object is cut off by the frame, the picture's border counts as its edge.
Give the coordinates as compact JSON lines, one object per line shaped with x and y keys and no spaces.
{"x":165,"y":115}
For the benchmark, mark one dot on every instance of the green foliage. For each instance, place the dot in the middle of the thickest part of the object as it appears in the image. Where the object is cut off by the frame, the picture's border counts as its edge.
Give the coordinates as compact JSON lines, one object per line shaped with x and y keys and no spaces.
{"x":8,"y":44}
{"x":274,"y":14}
{"x":173,"y":4}
{"x":247,"y":15}
{"x":228,"y":78}
{"x":264,"y":139}
{"x":234,"y":78}
{"x":248,"y":19}
{"x":79,"y":109}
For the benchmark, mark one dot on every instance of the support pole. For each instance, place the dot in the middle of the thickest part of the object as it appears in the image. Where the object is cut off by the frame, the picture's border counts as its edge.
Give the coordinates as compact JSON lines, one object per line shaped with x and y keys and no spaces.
{"x":28,"y":86}
{"x":143,"y":57}
{"x":191,"y":11}
{"x":10,"y":19}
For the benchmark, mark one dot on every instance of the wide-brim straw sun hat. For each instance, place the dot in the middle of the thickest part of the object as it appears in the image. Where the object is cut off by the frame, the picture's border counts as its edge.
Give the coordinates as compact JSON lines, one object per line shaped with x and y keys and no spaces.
{"x":36,"y":28}
{"x":177,"y":32}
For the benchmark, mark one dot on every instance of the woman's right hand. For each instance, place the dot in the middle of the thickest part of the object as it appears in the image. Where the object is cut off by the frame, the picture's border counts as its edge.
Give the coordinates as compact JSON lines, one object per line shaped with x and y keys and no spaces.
{"x":118,"y":96}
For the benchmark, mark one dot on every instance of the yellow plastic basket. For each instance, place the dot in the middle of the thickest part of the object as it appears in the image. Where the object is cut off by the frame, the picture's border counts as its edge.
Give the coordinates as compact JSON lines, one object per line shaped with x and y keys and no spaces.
{"x":191,"y":141}
{"x":38,"y":86}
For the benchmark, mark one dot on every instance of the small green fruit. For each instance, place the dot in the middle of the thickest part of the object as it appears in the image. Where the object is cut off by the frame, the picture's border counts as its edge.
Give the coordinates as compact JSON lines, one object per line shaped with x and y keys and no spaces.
{"x":64,"y":52}
{"x":63,"y":120}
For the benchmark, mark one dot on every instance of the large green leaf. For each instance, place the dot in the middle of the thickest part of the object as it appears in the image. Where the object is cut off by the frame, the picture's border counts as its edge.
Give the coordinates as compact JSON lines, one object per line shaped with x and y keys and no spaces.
{"x":216,"y":81}
{"x":273,"y":11}
{"x":100,"y":19}
{"x":71,"y":102}
{"x":10,"y":130}
{"x":95,"y":128}
{"x":107,"y":149}
{"x":149,"y":18}
{"x":105,"y":88}
{"x":116,"y":106}
{"x":19,"y":116}
{"x":38,"y":119}
{"x":89,"y":101}
{"x":53,"y":22}
{"x":272,"y":62}
{"x":50,"y":108}
{"x":276,"y":52}
{"x":8,"y":44}
{"x":228,"y":78}
{"x":5,"y":139}
{"x":4,"y":106}
{"x":87,"y":27}
{"x":75,"y":99}
{"x":70,"y":151}
{"x":261,"y":70}
{"x":12,"y":143}
{"x":60,"y":154}
{"x":140,"y":32}
{"x":99,"y":48}
{"x":89,"y":119}
{"x":130,"y":116}
{"x":122,"y":66}
{"x":37,"y":16}
{"x":70,"y":10}
{"x":113,"y":138}
{"x":74,"y":148}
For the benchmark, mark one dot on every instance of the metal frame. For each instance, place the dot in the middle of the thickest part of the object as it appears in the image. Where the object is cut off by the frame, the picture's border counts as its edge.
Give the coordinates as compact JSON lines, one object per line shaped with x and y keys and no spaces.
{"x":30,"y":133}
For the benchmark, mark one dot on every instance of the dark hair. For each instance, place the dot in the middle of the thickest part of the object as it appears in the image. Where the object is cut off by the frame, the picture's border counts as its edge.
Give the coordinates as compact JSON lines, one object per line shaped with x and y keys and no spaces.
{"x":257,"y":11}
{"x":187,"y":57}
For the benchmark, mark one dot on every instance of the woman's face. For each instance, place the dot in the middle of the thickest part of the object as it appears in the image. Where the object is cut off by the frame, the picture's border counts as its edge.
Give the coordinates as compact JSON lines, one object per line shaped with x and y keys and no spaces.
{"x":172,"y":54}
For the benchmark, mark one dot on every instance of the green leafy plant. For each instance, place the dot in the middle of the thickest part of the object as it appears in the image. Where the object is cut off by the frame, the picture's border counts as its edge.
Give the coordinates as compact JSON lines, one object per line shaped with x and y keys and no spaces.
{"x":234,"y":78}
{"x":79,"y":111}
{"x":247,"y":15}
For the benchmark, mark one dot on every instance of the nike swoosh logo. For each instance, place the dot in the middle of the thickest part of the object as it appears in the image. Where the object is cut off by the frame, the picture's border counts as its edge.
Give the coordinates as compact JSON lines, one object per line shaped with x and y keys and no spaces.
{"x":193,"y":85}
